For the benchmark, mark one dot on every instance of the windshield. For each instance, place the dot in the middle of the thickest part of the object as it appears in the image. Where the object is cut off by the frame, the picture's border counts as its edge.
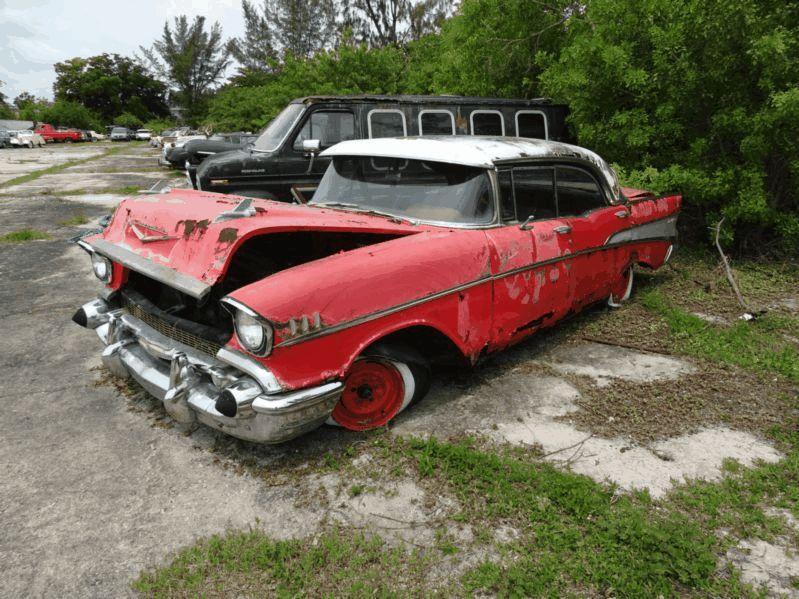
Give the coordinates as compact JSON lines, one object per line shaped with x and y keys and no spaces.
{"x":119,"y":130}
{"x":280,"y":126}
{"x":415,"y":189}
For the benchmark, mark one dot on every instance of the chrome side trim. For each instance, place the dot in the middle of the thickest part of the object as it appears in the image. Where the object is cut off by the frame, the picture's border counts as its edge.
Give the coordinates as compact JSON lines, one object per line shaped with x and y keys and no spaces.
{"x":182,"y":282}
{"x":656,"y":229}
{"x":380,"y":313}
{"x":508,"y":273}
{"x":256,"y":370}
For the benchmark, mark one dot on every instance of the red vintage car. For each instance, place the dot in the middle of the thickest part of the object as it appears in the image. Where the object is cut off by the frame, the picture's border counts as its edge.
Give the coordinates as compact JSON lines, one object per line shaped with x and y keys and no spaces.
{"x":265,"y":320}
{"x":49,"y":133}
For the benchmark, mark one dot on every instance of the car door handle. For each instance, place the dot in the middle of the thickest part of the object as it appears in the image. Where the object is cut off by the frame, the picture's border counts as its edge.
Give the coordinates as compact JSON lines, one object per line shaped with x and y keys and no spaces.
{"x":562,"y":229}
{"x":622,"y":214}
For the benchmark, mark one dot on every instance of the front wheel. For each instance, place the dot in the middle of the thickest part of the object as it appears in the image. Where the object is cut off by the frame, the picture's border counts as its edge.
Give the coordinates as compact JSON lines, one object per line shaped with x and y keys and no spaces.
{"x":622,"y":288}
{"x":380,"y":385}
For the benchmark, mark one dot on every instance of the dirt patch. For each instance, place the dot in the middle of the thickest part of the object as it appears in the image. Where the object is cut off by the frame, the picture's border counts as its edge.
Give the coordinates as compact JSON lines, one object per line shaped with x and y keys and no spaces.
{"x":656,"y":410}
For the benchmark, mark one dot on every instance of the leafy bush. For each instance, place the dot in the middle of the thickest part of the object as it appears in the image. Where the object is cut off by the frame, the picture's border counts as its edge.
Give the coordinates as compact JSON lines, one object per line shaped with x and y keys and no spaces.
{"x":697,"y":96}
{"x":126,"y":119}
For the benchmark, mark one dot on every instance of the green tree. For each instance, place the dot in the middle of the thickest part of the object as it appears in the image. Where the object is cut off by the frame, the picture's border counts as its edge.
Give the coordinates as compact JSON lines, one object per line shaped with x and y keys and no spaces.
{"x":126,"y":119}
{"x":60,"y":113}
{"x":350,"y":69}
{"x":24,"y":99}
{"x":192,"y":59}
{"x":5,"y":110}
{"x":381,"y":23}
{"x":110,"y":84}
{"x":698,"y":96}
{"x":296,"y":27}
{"x":492,"y":48}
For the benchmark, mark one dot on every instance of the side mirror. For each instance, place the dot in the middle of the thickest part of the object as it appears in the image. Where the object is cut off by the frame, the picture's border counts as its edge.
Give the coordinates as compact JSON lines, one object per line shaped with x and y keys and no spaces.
{"x":311,"y":146}
{"x":528,"y":223}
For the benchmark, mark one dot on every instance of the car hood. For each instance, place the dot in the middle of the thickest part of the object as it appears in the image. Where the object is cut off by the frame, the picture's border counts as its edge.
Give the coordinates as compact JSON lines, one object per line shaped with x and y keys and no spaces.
{"x":234,"y":163}
{"x":187,"y":237}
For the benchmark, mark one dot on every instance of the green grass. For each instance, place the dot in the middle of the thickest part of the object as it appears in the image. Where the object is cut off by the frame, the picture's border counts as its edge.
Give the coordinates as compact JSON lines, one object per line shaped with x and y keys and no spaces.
{"x":576,"y":537}
{"x":337,"y":564}
{"x":23,"y":235}
{"x":74,"y":221}
{"x":756,"y":345}
{"x":56,"y":168}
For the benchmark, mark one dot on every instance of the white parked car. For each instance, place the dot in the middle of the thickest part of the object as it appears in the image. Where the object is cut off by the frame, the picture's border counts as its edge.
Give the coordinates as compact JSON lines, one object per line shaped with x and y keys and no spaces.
{"x":144,"y":134}
{"x":26,"y":139}
{"x":97,"y":136}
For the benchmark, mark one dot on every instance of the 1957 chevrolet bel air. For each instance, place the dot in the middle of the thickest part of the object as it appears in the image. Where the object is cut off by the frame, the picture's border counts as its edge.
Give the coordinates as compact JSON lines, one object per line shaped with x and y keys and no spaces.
{"x":265,"y":320}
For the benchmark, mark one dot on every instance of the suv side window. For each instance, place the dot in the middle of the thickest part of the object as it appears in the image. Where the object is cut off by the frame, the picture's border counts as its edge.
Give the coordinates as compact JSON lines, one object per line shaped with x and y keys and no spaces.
{"x":387,"y":123}
{"x":534,"y":191}
{"x":487,"y":122}
{"x":329,"y":127}
{"x":531,"y":123}
{"x":578,"y":192}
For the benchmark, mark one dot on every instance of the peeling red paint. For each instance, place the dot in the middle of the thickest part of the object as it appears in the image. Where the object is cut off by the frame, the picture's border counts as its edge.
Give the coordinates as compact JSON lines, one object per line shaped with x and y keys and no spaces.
{"x":484,"y":289}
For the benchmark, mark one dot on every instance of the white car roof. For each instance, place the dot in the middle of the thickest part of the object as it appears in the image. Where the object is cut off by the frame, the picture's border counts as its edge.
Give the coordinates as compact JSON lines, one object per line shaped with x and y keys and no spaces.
{"x":471,"y":150}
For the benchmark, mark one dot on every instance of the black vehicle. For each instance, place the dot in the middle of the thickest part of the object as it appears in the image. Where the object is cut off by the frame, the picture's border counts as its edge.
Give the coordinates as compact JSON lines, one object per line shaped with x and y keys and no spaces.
{"x":283,"y":163}
{"x":5,"y":138}
{"x":197,"y":150}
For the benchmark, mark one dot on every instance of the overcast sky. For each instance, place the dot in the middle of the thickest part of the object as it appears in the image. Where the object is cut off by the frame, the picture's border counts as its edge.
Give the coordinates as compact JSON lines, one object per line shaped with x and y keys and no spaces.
{"x":35,"y":34}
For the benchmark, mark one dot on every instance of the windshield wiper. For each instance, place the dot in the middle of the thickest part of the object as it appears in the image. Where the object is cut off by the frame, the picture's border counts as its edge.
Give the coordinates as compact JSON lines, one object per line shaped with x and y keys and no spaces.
{"x":362,"y":210}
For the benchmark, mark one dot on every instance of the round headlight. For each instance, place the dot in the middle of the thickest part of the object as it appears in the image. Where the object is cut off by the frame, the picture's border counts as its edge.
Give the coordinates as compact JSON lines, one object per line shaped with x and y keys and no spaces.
{"x":253,"y":334}
{"x":102,"y":267}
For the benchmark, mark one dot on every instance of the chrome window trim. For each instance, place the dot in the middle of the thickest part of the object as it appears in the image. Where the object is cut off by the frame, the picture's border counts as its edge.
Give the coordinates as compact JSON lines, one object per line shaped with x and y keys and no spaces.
{"x":437,"y":111}
{"x":543,"y":114}
{"x":497,"y":112}
{"x":385,"y":110}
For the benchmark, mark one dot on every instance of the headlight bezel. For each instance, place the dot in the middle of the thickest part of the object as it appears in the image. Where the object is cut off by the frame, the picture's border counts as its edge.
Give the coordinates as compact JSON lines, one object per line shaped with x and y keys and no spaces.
{"x":101,"y":262}
{"x":244,"y":315}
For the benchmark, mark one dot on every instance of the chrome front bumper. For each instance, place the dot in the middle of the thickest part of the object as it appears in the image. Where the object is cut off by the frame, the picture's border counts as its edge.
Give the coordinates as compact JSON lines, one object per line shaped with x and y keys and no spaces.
{"x":194,"y":386}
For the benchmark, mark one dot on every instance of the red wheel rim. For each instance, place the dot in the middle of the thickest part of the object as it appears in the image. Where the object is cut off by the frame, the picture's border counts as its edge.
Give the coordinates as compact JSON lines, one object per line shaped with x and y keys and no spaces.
{"x":619,"y":289}
{"x":373,"y":394}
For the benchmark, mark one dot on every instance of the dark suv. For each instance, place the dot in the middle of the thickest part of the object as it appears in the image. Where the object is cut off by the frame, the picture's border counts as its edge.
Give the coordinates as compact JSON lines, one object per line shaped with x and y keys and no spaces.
{"x":283,"y":163}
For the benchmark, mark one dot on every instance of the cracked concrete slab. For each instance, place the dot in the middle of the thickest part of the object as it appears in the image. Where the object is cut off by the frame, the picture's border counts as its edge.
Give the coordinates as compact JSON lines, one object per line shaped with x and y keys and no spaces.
{"x":603,"y":363}
{"x":523,"y":407}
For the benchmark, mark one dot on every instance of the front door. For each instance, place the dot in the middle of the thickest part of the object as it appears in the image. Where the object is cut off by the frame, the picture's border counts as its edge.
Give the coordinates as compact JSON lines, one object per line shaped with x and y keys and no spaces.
{"x":530,"y":266}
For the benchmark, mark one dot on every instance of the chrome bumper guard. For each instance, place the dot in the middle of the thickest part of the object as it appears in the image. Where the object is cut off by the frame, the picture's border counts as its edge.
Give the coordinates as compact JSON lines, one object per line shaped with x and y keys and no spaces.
{"x":195,"y":387}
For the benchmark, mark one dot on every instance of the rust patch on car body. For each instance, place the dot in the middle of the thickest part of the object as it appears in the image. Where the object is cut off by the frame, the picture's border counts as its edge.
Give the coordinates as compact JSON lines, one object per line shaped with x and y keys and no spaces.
{"x":228,"y":235}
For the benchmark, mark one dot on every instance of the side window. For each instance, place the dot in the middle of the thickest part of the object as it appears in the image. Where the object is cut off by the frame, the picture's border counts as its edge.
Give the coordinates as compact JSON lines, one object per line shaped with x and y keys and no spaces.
{"x":387,"y":123}
{"x":436,"y":122}
{"x":531,"y":123}
{"x":487,"y":122}
{"x":534,"y":191}
{"x":578,"y":192}
{"x":328,"y":127}
{"x":506,"y":204}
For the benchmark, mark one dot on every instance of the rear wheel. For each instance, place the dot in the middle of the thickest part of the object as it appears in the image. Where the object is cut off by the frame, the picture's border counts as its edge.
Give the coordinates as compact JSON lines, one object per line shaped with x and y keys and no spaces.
{"x":622,"y":288}
{"x":379,"y":385}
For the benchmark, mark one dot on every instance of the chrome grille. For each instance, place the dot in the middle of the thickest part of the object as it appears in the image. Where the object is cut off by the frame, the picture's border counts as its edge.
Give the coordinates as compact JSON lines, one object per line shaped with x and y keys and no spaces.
{"x":171,"y":331}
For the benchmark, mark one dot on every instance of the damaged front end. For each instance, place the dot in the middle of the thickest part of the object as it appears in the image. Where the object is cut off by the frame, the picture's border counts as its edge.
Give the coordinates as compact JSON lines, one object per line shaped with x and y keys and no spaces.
{"x":167,"y":321}
{"x":228,"y":391}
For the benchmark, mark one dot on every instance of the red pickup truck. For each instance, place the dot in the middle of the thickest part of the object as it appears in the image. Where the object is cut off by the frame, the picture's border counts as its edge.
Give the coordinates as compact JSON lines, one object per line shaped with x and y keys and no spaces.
{"x":49,"y":133}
